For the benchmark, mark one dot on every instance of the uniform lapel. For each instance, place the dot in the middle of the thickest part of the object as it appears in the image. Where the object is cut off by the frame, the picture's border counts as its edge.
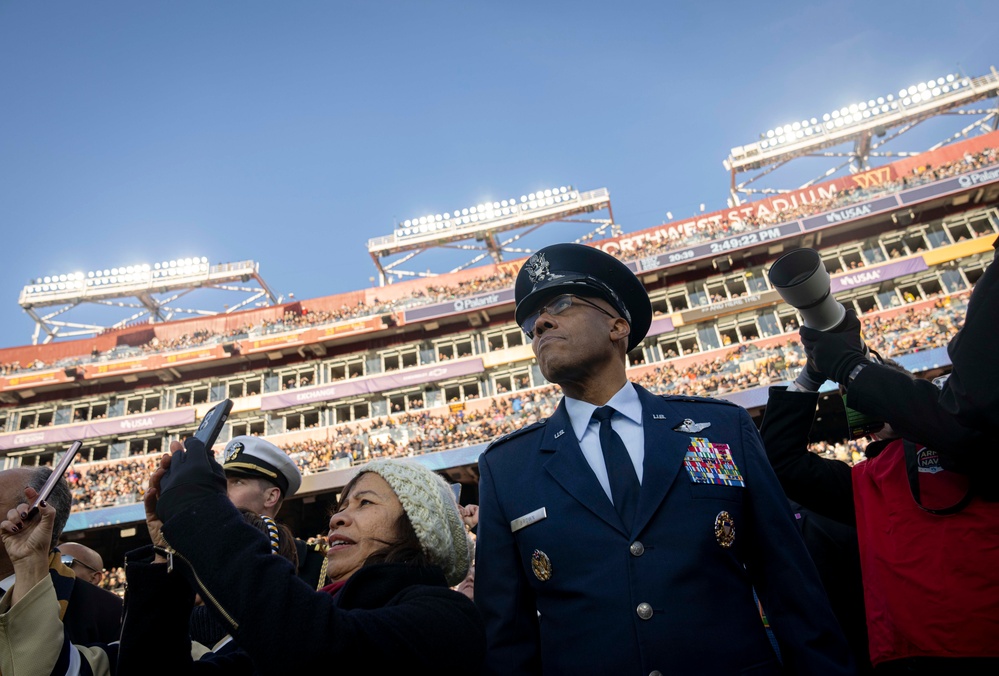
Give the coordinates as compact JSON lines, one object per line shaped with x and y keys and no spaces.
{"x":664,"y":454}
{"x":569,"y":468}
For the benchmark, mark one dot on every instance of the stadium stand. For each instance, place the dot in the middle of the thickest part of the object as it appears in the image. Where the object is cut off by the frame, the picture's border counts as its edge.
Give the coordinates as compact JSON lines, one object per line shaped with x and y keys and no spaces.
{"x":435,"y":369}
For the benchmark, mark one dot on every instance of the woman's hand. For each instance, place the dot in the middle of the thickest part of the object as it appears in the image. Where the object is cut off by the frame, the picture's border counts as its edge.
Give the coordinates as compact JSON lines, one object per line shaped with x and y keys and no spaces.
{"x":469,"y":515}
{"x":153,"y":523}
{"x":28,"y":543}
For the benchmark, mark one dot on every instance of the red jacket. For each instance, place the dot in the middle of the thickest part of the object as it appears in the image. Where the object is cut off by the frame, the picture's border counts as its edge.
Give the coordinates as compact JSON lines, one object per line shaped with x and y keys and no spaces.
{"x":931,"y":583}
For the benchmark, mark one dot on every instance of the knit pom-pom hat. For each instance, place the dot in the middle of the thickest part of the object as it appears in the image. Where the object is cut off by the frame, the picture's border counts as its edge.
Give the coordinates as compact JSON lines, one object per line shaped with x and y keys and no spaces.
{"x":429,"y":503}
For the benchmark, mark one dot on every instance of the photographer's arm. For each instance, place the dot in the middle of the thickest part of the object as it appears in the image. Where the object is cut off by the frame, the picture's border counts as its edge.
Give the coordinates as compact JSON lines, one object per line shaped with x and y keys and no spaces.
{"x":911,"y":406}
{"x":971,"y":394}
{"x":820,"y":484}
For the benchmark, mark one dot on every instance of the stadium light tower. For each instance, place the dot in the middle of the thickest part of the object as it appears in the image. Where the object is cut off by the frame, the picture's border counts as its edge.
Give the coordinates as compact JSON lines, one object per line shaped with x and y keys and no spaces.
{"x":477,"y":228}
{"x":151,"y":288}
{"x":866,"y":126}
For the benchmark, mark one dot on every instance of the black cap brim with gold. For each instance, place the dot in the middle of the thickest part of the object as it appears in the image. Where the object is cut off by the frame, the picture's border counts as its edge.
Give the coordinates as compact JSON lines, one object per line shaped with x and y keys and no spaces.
{"x":583,"y":271}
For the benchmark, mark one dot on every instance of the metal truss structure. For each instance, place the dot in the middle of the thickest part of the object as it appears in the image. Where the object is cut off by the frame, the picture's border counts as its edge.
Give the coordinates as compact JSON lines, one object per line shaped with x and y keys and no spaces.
{"x":479,"y":229}
{"x":146,"y":293}
{"x":865,"y":127}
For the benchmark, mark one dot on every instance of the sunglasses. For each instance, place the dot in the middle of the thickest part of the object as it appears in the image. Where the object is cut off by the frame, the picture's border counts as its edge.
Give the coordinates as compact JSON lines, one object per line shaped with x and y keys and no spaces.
{"x":557,"y":307}
{"x":68,"y":561}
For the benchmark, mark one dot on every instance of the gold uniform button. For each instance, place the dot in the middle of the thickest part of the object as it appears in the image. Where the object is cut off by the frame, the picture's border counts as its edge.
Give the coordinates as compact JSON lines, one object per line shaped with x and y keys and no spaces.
{"x":636,"y":548}
{"x":644,"y":611}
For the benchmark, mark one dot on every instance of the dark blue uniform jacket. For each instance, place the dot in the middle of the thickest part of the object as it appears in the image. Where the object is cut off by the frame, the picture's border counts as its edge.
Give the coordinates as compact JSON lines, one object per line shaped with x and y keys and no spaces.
{"x":592,"y":615}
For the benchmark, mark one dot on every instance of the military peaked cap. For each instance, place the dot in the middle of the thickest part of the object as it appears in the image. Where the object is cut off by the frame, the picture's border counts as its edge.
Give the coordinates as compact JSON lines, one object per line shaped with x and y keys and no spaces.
{"x":583,"y":271}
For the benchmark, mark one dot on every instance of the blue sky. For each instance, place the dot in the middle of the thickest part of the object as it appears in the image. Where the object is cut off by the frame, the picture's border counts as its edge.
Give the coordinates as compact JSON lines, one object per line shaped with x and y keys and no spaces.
{"x":292,"y":132}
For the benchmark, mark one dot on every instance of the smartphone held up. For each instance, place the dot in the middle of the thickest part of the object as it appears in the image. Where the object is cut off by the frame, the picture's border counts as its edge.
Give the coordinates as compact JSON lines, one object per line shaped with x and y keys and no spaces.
{"x":57,"y":473}
{"x":211,"y":425}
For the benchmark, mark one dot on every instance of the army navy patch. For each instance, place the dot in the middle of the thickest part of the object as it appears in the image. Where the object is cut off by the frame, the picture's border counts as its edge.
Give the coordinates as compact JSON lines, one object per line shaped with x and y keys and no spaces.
{"x":724,"y":529}
{"x":708,"y":463}
{"x":928,"y":461}
{"x":541,"y":565}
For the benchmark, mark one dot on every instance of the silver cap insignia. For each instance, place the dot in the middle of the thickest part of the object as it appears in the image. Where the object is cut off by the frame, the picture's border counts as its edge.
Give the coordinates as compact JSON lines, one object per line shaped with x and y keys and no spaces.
{"x":538,"y":268}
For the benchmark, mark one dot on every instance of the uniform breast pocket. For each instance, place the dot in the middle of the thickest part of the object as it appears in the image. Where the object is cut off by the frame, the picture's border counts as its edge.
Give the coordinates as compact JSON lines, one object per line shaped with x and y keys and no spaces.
{"x":705,"y":491}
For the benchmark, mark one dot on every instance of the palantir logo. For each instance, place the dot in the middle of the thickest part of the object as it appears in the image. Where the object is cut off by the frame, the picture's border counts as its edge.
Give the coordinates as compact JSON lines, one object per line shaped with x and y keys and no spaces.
{"x":969,"y":180}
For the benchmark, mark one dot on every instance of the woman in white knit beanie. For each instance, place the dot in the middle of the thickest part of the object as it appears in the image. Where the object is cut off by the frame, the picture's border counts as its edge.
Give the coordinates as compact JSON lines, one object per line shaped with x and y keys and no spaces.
{"x":416,"y":521}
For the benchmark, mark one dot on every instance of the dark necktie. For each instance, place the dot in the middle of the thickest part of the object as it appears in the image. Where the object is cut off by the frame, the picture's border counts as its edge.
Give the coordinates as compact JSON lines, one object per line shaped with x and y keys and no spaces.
{"x":620,"y":470}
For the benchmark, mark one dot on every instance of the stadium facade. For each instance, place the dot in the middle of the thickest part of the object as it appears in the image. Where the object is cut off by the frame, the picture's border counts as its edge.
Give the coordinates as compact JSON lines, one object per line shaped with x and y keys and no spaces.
{"x":434,"y":368}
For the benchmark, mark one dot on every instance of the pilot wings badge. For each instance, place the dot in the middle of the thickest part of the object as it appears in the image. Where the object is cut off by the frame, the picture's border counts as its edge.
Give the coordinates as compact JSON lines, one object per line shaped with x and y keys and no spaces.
{"x":691,"y":427}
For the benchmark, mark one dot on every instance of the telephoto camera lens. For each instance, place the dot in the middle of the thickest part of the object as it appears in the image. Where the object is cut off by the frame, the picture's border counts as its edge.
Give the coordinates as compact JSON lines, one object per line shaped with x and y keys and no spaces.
{"x":803,"y":282}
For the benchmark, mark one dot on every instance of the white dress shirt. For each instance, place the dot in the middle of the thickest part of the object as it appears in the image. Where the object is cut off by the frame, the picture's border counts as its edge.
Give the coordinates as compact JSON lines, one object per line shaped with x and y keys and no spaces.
{"x":627,"y":422}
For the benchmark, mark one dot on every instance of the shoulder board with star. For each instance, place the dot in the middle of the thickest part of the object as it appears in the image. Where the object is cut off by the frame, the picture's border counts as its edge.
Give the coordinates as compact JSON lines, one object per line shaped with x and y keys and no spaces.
{"x":533,"y":427}
{"x":698,"y":400}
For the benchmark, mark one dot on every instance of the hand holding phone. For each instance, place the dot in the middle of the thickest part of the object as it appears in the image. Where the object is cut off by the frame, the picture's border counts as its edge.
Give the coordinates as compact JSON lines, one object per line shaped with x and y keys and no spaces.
{"x":57,"y":473}
{"x":28,"y":543}
{"x":211,"y":425}
{"x":192,"y":475}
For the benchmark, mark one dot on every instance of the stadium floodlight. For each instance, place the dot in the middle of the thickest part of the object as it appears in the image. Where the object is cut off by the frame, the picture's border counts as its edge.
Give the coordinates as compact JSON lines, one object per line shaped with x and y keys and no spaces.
{"x":485,"y":212}
{"x":865,"y":124}
{"x":153,"y":288}
{"x":127,"y":275}
{"x":478,"y":227}
{"x":861,"y":111}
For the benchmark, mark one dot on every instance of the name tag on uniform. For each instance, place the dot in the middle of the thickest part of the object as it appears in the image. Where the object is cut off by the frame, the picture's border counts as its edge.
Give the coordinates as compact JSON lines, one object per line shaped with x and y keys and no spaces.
{"x":528,"y":519}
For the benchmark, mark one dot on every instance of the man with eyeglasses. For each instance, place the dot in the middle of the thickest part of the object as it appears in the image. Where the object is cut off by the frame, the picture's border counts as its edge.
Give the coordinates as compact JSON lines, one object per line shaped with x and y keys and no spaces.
{"x":631,"y":533}
{"x":84,"y":561}
{"x":89,"y":614}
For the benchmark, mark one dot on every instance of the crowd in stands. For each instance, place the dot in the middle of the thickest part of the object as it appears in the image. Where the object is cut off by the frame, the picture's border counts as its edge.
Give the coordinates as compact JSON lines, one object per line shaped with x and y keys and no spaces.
{"x":444,"y":292}
{"x":16,"y":367}
{"x":114,"y":581}
{"x":104,"y":485}
{"x":194,"y":339}
{"x":305,"y":318}
{"x":725,"y":227}
{"x":421,"y":431}
{"x":422,"y":296}
{"x":711,"y":230}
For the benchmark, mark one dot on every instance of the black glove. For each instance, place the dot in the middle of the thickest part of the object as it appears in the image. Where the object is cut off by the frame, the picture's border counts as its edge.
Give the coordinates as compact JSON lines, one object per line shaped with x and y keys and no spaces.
{"x":193,"y":476}
{"x":838,"y":351}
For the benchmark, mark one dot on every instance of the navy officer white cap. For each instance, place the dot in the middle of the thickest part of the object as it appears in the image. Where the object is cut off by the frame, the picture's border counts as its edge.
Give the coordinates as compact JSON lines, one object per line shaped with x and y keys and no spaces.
{"x":256,"y":457}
